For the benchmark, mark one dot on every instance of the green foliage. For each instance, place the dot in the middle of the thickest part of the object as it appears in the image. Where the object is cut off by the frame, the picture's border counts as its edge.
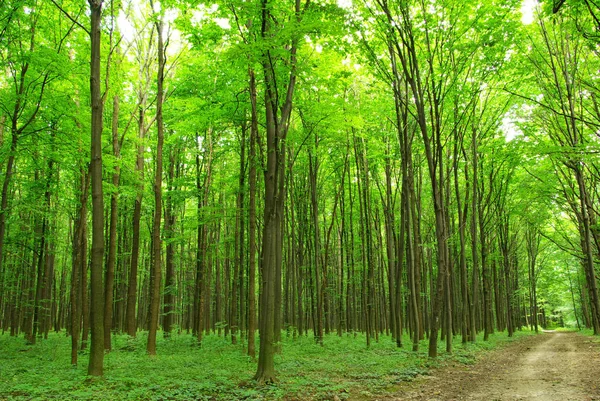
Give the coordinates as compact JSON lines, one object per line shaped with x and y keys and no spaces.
{"x":344,"y":93}
{"x":218,"y":370}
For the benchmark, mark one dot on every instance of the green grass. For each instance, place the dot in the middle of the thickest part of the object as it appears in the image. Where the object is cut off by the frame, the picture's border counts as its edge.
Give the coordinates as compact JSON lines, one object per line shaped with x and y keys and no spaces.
{"x":565,"y":329}
{"x":344,"y":367}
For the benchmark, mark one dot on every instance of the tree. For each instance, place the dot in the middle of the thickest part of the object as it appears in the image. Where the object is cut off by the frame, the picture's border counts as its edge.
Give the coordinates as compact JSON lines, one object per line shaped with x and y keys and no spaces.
{"x":562,"y":79}
{"x":158,"y":172}
{"x":277,"y":125}
{"x":96,"y":364}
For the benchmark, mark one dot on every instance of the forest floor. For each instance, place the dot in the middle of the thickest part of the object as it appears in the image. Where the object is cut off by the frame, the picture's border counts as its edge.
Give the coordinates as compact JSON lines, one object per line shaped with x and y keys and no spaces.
{"x":501,"y":368}
{"x":551,"y":366}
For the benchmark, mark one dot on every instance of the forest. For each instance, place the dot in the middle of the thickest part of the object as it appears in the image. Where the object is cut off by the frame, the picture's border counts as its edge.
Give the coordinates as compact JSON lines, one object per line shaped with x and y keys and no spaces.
{"x":254,"y":178}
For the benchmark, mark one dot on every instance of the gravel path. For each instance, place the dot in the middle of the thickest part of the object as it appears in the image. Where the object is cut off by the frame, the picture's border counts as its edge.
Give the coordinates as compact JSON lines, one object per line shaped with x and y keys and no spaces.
{"x":550,"y":366}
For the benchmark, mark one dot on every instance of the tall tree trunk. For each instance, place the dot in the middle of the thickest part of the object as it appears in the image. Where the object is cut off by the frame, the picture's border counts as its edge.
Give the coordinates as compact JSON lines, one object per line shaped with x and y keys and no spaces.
{"x":313,"y":172}
{"x":474,"y":300}
{"x":487,"y":290}
{"x":7,"y":179}
{"x":169,"y":228}
{"x":156,"y":240}
{"x":462,"y":223}
{"x":587,"y":248}
{"x":137,"y":214}
{"x":252,"y":218}
{"x":239,"y":241}
{"x":506,"y":264}
{"x":96,"y":364}
{"x":40,"y":229}
{"x":532,"y":239}
{"x":266,"y":368}
{"x":16,"y":116}
{"x":390,"y":246}
{"x":112,"y":241}
{"x":199,"y":280}
{"x":49,"y":247}
{"x":272,"y":242}
{"x":202,"y":271}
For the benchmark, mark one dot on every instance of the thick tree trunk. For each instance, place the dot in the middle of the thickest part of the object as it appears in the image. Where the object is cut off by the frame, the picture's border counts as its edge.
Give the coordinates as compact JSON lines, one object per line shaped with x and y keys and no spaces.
{"x":587,"y":248}
{"x":266,"y":367}
{"x":272,"y":242}
{"x":6,"y":185}
{"x":96,"y":364}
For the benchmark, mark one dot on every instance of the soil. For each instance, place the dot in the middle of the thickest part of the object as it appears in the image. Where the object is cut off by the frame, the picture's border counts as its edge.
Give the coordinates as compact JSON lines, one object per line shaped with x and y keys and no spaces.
{"x":550,"y":366}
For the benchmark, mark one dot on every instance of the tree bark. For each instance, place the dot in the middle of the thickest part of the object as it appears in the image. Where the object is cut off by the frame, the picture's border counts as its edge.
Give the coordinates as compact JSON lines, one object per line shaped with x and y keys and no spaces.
{"x":137,"y":214}
{"x":112,"y":241}
{"x":239,"y":242}
{"x":252,"y":218}
{"x":276,"y":130}
{"x":313,"y":172}
{"x":156,"y":240}
{"x":96,"y":363}
{"x":169,"y":228}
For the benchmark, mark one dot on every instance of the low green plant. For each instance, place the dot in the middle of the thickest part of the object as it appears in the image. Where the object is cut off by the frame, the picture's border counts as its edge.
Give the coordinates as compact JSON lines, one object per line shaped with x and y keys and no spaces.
{"x":217,"y":370}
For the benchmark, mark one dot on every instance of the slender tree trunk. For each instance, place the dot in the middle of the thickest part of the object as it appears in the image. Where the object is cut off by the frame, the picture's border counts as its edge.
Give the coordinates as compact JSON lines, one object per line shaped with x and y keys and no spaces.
{"x":156,"y":240}
{"x":252,"y":219}
{"x":390,"y":237}
{"x":485,"y":273}
{"x":199,"y":293}
{"x":239,"y":241}
{"x":505,"y":244}
{"x":112,"y":241}
{"x":169,"y":293}
{"x":137,"y":214}
{"x":41,"y":228}
{"x":474,"y":300}
{"x":202,"y":271}
{"x":462,"y":223}
{"x":313,"y":171}
{"x":532,"y":239}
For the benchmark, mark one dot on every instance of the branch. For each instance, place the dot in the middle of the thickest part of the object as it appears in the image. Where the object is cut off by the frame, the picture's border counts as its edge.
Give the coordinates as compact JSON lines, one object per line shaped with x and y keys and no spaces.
{"x":556,"y":6}
{"x":69,"y":17}
{"x":547,"y":107}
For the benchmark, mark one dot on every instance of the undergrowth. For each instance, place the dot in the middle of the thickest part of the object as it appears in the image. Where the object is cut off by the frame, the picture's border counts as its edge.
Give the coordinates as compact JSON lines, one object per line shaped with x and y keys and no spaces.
{"x":342,"y":369}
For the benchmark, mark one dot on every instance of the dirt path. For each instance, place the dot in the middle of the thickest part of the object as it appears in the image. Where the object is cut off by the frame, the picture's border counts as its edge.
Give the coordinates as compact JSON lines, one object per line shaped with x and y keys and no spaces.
{"x":550,"y":366}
